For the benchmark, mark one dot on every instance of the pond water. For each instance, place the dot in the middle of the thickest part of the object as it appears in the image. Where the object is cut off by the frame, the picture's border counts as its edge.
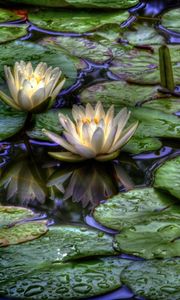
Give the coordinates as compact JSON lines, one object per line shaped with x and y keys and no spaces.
{"x":111,"y":55}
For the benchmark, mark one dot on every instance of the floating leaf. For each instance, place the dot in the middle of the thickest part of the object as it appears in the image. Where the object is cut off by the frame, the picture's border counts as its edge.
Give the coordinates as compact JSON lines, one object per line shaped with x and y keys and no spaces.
{"x":17,"y":225}
{"x":90,"y":47}
{"x":138,"y":145}
{"x":171,"y":20}
{"x":134,"y":207}
{"x":81,"y":3}
{"x":61,"y":243}
{"x":79,"y":22}
{"x":7,"y":15}
{"x":156,"y":239}
{"x":11,"y":121}
{"x":48,"y":120}
{"x":18,"y":50}
{"x":167,"y":177}
{"x":167,"y":105}
{"x":9,"y":33}
{"x":22,"y":232}
{"x":118,"y":93}
{"x":143,"y":34}
{"x":11,"y":214}
{"x":155,"y":279}
{"x":72,"y":280}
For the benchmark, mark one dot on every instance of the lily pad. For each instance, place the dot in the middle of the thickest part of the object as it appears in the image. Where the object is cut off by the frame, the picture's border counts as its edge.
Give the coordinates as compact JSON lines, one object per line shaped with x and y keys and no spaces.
{"x":142,"y":65}
{"x":167,"y":177}
{"x":80,"y":3}
{"x":11,"y":121}
{"x":155,"y":279}
{"x":118,"y":93}
{"x":138,"y":145}
{"x":72,"y":280}
{"x":7,"y":15}
{"x":21,"y":232}
{"x":167,"y":105}
{"x":156,"y":239}
{"x":171,"y":20}
{"x":11,"y":214}
{"x":143,"y":34}
{"x":61,"y":243}
{"x":79,"y":22}
{"x":155,"y":123}
{"x":17,"y":225}
{"x":19,"y":50}
{"x":91,"y":47}
{"x":134,"y":207}
{"x":9,"y":33}
{"x":48,"y":120}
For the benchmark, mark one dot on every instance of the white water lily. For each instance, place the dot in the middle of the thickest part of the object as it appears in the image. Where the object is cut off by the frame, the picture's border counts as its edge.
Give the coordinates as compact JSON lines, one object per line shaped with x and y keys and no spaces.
{"x":31,"y":89}
{"x":93,"y":134}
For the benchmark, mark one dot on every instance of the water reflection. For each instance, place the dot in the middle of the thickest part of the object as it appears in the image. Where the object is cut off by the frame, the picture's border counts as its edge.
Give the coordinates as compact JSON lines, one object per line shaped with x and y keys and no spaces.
{"x":23,"y":182}
{"x":90,"y":183}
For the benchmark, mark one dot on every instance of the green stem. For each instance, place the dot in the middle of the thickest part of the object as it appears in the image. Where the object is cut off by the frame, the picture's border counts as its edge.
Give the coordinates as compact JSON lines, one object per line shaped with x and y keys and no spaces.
{"x":166,"y":70}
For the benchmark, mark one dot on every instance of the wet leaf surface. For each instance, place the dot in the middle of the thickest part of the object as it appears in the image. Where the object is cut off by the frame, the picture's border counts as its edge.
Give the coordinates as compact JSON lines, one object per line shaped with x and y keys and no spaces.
{"x":7,"y":15}
{"x":17,"y":225}
{"x":11,"y":122}
{"x":60,"y":243}
{"x":65,"y":280}
{"x":9,"y":33}
{"x":81,"y":3}
{"x":171,"y":20}
{"x":154,"y":279}
{"x":11,"y":214}
{"x":81,"y":22}
{"x":167,"y":177}
{"x":135,"y":207}
{"x":22,"y":232}
{"x":151,"y":239}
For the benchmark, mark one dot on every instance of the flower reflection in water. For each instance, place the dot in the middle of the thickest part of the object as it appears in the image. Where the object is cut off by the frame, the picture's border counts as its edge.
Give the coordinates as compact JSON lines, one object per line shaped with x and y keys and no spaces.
{"x":91,"y":183}
{"x":23,"y":183}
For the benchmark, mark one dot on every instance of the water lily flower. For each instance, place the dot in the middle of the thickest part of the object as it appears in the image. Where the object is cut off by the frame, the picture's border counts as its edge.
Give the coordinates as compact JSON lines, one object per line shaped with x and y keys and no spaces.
{"x":93,"y":134}
{"x":31,"y":89}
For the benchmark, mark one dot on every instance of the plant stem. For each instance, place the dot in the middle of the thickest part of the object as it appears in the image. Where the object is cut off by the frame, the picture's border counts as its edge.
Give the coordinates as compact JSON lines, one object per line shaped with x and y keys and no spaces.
{"x":166,"y":71}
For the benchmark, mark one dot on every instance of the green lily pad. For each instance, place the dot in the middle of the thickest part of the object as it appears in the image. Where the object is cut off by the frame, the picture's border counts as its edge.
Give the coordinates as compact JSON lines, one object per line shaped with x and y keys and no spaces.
{"x":143,"y":34}
{"x":138,"y":145}
{"x":134,"y":207}
{"x":72,"y":280}
{"x":80,"y":3}
{"x":92,"y":47}
{"x":11,"y":214}
{"x":48,"y":120}
{"x":167,"y":105}
{"x":11,"y":122}
{"x":167,"y":177}
{"x":61,"y":243}
{"x":80,"y":22}
{"x":171,"y":20}
{"x":7,"y":15}
{"x":154,"y":123}
{"x":118,"y":93}
{"x":9,"y":33}
{"x":142,"y":65}
{"x":17,"y":226}
{"x":22,"y":232}
{"x":155,"y":279}
{"x":156,"y":239}
{"x":19,"y":50}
